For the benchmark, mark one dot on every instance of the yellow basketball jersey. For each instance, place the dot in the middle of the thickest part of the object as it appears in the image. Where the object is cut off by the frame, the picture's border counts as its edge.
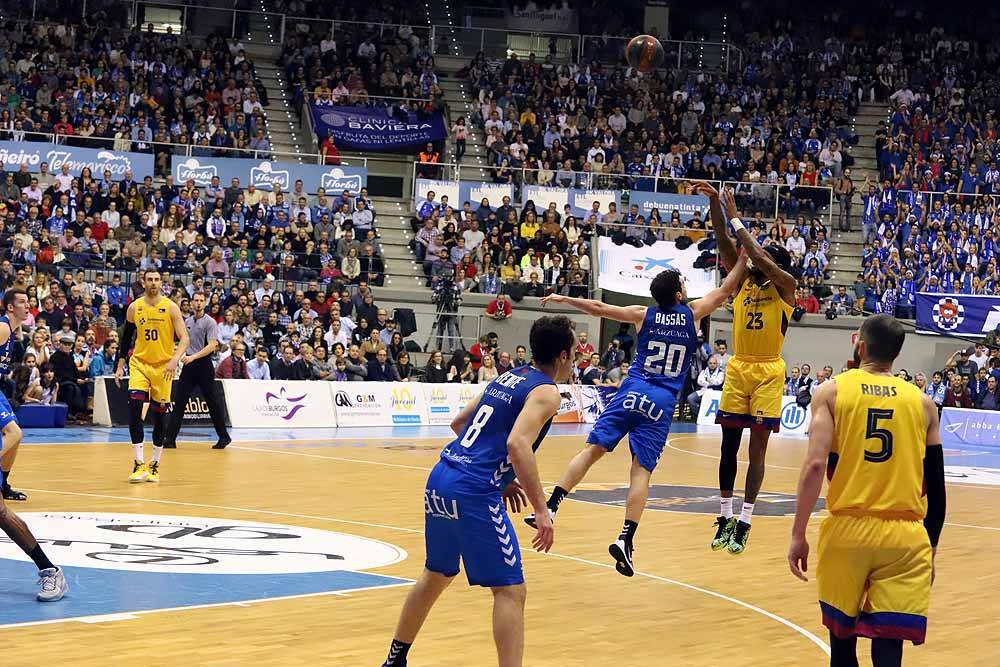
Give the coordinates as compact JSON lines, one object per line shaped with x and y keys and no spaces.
{"x":760,"y":320}
{"x":880,"y":437}
{"x":154,"y":343}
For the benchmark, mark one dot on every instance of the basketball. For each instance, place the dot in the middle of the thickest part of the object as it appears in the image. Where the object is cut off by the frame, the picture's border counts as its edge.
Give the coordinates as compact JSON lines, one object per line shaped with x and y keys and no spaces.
{"x":645,"y":53}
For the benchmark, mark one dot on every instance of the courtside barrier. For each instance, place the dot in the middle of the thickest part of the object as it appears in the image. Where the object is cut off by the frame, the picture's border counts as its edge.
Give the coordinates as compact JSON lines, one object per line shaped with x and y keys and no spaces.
{"x":319,"y":404}
{"x":794,"y":419}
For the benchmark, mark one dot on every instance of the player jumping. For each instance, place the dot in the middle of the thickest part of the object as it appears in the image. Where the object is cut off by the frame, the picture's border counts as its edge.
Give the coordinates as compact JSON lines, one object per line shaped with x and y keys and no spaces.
{"x":468,"y":490}
{"x":755,"y":376}
{"x":53,"y":582}
{"x":153,"y":321}
{"x":644,"y":405}
{"x":876,"y":437}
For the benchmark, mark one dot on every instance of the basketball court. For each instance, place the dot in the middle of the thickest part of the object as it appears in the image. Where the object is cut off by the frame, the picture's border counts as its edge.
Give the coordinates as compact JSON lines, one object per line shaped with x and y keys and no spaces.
{"x":297,"y":548}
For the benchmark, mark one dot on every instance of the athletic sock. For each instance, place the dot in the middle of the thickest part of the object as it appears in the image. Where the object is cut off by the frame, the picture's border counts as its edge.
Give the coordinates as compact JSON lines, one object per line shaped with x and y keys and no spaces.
{"x":138,"y":449}
{"x":397,"y":654}
{"x":157,"y":453}
{"x":746,"y":512}
{"x":42,"y":561}
{"x":558,"y":494}
{"x":727,"y":507}
{"x":628,"y":531}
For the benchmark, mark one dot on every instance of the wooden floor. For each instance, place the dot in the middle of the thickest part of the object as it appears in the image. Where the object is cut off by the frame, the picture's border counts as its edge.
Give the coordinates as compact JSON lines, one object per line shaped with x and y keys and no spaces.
{"x":686,"y":606}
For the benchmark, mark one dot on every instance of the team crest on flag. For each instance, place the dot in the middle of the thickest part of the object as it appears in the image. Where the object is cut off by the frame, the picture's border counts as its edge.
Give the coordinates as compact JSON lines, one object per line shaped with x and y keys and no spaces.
{"x":948,"y":313}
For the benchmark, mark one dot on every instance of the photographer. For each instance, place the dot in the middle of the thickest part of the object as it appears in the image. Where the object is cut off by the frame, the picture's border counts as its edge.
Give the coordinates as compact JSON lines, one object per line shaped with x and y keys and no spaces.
{"x":448,"y":296}
{"x":614,"y":355}
{"x":499,"y":308}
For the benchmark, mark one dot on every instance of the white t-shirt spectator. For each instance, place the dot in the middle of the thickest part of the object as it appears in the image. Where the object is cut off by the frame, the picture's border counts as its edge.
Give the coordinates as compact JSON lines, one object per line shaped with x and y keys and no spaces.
{"x":64,"y":181}
{"x":473,"y":239}
{"x":796,"y":246}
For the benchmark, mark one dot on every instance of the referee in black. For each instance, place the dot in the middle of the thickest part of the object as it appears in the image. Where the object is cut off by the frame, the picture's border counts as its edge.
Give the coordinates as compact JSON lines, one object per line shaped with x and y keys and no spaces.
{"x":198,"y":371}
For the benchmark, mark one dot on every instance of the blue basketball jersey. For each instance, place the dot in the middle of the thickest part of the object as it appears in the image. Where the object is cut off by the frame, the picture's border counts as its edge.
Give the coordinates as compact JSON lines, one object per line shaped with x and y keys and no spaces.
{"x":667,"y":343}
{"x":480,"y":450}
{"x":7,"y":348}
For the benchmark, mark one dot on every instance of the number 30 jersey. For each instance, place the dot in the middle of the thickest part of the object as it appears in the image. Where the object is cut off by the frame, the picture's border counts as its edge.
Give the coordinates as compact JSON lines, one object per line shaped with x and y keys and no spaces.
{"x":667,"y":343}
{"x":879,"y":444}
{"x":760,"y":320}
{"x":480,"y":450}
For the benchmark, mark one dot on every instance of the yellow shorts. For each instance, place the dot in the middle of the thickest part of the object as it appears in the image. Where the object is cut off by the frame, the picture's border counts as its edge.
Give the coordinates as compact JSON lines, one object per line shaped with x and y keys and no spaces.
{"x":751,"y":394}
{"x":874,"y":577}
{"x":147,"y":379}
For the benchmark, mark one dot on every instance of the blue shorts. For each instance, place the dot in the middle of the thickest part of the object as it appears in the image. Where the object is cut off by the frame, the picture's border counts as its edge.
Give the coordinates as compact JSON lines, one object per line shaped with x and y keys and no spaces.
{"x":473,"y":528}
{"x":6,"y":412}
{"x":644,"y":412}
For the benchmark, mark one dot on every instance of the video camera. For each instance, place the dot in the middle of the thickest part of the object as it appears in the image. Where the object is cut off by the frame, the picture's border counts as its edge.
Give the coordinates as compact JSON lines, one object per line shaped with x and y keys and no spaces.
{"x":447,"y":295}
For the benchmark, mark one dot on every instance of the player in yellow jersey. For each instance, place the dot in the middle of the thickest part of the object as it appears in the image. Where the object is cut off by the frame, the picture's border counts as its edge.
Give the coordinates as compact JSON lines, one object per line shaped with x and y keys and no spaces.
{"x":876,"y":437}
{"x":755,"y":376}
{"x":154,"y":322}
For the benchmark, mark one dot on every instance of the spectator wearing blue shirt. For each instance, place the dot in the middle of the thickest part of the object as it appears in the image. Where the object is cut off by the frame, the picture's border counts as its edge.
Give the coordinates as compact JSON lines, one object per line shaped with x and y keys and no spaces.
{"x":906,"y":307}
{"x":103,"y":362}
{"x":937,"y":389}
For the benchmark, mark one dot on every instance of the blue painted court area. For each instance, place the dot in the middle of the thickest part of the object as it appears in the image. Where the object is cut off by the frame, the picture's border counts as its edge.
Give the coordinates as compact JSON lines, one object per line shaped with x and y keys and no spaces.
{"x":95,"y":591}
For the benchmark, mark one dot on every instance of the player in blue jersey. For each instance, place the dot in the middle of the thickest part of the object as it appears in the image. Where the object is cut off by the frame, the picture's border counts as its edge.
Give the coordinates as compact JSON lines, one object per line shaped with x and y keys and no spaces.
{"x":644,"y":405}
{"x":53,"y":583}
{"x":489,"y":466}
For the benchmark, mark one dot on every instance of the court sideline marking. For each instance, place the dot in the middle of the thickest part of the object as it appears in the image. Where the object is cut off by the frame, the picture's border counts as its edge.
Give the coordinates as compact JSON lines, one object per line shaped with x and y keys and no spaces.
{"x":797,"y":628}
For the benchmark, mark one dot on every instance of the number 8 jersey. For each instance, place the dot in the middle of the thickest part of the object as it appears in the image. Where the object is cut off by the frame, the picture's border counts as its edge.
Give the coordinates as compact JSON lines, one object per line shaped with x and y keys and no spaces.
{"x":760,"y":320}
{"x":667,"y":343}
{"x":480,"y":450}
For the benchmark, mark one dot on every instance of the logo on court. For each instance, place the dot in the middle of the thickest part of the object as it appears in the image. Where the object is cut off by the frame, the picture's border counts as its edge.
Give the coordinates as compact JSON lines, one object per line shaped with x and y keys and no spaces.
{"x":196,"y":545}
{"x":694,"y":499}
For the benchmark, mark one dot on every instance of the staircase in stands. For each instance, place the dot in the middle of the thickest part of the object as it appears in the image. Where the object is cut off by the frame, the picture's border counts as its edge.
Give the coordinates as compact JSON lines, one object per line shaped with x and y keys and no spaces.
{"x":845,"y":247}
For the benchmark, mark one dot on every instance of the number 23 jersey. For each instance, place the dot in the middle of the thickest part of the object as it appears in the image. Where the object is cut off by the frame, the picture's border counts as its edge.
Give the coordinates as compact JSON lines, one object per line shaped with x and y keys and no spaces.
{"x":760,"y":320}
{"x":480,"y":450}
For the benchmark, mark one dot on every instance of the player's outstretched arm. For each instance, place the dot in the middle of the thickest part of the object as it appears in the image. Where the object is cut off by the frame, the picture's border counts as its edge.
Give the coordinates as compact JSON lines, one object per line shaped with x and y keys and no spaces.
{"x":811,"y":477}
{"x":727,"y":249}
{"x":631,"y":314}
{"x":785,"y":282}
{"x":706,"y":305}
{"x":540,"y":406}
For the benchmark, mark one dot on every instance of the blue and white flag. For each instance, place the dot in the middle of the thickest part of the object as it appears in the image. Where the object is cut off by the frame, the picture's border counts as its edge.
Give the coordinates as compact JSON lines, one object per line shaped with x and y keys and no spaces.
{"x":957,"y":314}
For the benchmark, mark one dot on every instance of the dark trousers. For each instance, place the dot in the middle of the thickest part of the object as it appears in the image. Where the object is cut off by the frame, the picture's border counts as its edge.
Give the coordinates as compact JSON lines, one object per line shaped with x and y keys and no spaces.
{"x":199,"y":373}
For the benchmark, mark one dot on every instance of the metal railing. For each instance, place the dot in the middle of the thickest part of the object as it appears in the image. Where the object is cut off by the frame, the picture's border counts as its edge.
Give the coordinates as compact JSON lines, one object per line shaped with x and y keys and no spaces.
{"x":768,"y":198}
{"x":450,"y":40}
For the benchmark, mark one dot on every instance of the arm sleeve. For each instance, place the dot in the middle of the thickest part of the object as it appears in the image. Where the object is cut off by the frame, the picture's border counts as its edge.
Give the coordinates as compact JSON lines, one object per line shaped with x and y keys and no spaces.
{"x":934,"y":481}
{"x":125,"y":345}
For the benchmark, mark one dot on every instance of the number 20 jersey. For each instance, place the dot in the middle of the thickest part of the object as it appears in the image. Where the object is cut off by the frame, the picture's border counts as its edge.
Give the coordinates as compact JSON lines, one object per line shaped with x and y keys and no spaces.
{"x":479,"y":452}
{"x":667,"y":342}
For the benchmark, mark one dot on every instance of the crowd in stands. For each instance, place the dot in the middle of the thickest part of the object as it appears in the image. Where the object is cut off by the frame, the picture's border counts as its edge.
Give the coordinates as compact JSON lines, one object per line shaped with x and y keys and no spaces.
{"x":139,"y":91}
{"x":490,"y":249}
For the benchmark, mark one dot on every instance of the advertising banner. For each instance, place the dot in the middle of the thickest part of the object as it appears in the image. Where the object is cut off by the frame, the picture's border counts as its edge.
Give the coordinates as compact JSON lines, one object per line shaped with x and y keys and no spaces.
{"x":15,"y":153}
{"x":957,"y":314}
{"x":667,"y":203}
{"x":459,"y":192}
{"x":264,"y":174}
{"x":273,"y":403}
{"x":445,"y":401}
{"x":593,"y":400}
{"x":581,"y":201}
{"x":630,"y":270}
{"x":960,"y":426}
{"x":111,"y":404}
{"x":794,"y":420}
{"x":374,"y":129}
{"x":569,"y":406}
